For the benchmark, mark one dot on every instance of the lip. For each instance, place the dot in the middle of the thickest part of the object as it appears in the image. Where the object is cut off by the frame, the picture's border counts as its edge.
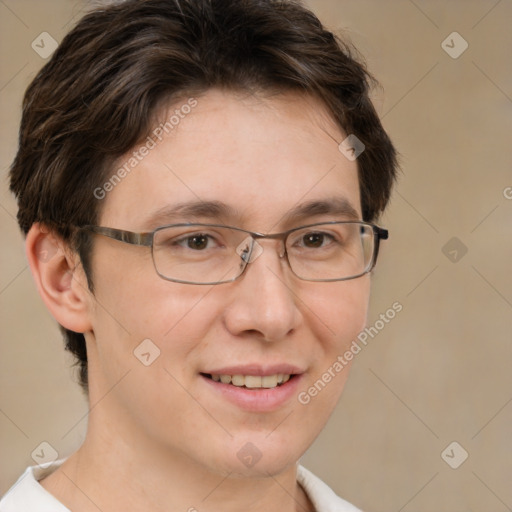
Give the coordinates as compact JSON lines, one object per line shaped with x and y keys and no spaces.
{"x":256,"y":400}
{"x":256,"y":369}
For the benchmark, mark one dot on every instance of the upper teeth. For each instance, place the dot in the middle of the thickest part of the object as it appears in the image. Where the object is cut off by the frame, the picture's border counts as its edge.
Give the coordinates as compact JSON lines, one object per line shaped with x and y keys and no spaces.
{"x":253,"y":381}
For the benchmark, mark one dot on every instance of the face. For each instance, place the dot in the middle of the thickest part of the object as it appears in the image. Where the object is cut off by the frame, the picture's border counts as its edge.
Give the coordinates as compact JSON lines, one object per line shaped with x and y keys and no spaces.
{"x":263,"y":160}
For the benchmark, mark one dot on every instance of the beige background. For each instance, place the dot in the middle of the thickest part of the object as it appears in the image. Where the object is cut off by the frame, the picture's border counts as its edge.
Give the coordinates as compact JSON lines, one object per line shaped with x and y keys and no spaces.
{"x":439,"y":371}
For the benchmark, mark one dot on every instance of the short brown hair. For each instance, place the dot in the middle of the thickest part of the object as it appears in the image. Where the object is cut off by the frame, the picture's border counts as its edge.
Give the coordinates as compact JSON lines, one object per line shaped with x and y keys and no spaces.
{"x":95,"y":99}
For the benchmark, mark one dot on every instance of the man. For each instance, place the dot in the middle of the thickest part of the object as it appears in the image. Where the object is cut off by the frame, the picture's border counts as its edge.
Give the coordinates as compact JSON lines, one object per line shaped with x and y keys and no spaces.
{"x":202,"y":177}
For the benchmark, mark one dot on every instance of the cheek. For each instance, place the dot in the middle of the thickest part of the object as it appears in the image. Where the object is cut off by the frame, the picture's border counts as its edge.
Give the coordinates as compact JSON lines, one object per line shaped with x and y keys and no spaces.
{"x":146,"y":344}
{"x":338,"y":311}
{"x":170,"y":316}
{"x":129,"y":310}
{"x":338,"y":314}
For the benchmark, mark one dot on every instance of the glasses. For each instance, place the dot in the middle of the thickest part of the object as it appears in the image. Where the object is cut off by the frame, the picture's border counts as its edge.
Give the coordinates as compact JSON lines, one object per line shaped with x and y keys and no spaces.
{"x":214,"y":254}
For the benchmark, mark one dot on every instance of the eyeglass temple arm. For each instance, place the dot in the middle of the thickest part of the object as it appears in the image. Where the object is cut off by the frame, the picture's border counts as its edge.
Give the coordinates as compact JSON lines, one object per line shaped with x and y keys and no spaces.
{"x":128,"y":237}
{"x":382,"y":234}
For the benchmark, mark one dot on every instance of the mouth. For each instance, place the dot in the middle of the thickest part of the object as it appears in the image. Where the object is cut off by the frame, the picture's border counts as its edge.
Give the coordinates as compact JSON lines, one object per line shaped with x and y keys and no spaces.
{"x":251,"y":382}
{"x":254,"y":388}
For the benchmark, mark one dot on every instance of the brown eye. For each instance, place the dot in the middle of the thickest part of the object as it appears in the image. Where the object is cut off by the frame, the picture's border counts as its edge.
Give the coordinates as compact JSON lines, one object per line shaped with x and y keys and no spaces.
{"x":197,"y":242}
{"x":313,"y":240}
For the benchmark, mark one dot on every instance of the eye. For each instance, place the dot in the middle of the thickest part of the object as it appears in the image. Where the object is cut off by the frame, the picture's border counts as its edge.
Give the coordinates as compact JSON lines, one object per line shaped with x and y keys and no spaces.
{"x":196,"y":241}
{"x":315,"y":240}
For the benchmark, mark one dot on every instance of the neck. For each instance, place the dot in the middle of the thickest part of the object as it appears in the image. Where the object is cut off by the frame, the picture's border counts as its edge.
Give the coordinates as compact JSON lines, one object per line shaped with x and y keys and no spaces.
{"x":114,"y":470}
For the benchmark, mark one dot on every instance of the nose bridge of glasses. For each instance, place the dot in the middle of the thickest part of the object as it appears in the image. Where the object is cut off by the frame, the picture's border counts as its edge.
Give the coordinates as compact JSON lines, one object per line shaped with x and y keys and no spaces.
{"x":253,"y":246}
{"x":276,"y":240}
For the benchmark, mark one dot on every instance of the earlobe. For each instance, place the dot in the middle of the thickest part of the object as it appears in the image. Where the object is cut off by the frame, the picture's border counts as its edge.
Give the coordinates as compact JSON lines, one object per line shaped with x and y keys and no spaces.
{"x":59,"y":278}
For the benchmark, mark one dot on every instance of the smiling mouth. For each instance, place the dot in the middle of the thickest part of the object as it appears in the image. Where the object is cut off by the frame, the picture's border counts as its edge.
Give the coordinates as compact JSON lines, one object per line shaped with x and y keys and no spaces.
{"x":251,"y":381}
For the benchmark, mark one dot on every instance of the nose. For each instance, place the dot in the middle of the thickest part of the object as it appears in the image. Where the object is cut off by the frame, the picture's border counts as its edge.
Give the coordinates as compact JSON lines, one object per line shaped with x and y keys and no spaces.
{"x":264,"y":302}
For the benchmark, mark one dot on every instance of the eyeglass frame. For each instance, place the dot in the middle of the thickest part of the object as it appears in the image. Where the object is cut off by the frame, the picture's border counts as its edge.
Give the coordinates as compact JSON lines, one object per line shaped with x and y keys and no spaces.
{"x":146,"y":239}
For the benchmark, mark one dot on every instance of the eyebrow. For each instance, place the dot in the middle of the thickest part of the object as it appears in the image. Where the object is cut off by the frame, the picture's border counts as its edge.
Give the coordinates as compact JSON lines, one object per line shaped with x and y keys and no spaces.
{"x":219,"y":211}
{"x":338,"y":206}
{"x":193,"y":210}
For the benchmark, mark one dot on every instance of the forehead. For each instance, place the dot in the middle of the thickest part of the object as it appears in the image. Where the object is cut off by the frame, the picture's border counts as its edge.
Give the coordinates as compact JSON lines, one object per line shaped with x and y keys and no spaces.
{"x":261,"y":157}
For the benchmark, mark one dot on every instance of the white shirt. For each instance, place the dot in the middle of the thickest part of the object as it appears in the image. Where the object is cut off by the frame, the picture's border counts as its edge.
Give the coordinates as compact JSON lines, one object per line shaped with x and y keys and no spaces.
{"x":28,"y":495}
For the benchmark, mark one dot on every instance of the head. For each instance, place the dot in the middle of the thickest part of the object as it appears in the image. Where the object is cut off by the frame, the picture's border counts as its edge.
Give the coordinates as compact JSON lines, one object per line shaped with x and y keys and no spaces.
{"x":235,"y":105}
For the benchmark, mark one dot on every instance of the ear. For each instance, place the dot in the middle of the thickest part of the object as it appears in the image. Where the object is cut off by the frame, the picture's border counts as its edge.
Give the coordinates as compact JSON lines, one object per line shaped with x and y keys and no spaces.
{"x":59,"y":278}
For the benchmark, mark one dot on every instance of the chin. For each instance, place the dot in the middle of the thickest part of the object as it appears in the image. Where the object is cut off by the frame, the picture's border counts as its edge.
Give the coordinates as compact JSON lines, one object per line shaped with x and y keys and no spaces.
{"x":258,"y":455}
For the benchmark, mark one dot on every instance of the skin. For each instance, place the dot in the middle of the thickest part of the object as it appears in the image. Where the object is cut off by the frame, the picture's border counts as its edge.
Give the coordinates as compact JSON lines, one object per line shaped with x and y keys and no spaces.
{"x":158,"y":437}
